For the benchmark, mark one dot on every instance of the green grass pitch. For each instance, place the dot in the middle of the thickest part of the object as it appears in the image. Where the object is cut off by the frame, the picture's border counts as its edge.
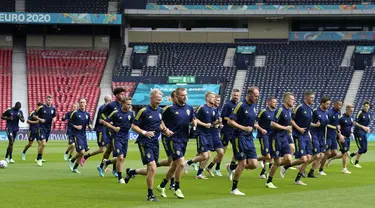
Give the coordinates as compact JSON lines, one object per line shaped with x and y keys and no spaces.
{"x":24,"y":184}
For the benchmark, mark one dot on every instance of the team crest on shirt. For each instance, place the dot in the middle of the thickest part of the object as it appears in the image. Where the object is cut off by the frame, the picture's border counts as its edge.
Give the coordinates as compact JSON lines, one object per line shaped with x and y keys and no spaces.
{"x":79,"y":116}
{"x":176,"y":113}
{"x":44,"y":111}
{"x":160,"y":116}
{"x":120,"y":118}
{"x":148,"y":155}
{"x":320,"y":116}
{"x":150,"y":116}
{"x":51,"y":111}
{"x":305,"y":112}
{"x":315,"y":150}
{"x":246,"y":112}
{"x":360,"y":139}
{"x":178,"y":152}
{"x":188,"y":112}
{"x":129,"y":117}
{"x":87,"y":117}
{"x":213,"y":113}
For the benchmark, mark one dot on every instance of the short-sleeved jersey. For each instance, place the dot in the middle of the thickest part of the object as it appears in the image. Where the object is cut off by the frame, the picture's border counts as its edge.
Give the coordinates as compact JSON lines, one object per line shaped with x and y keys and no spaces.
{"x":70,"y":125}
{"x":225,"y":113}
{"x":321,"y":116}
{"x":282,"y":117}
{"x":123,"y":120}
{"x":98,"y":125}
{"x":177,"y":119}
{"x":109,"y":108}
{"x":46,"y":113}
{"x":346,"y":124}
{"x":264,"y":119}
{"x":302,"y":116}
{"x":82,"y":118}
{"x":17,"y":115}
{"x":333,"y":117}
{"x":206,"y":114}
{"x":216,"y":131}
{"x":148,"y":119}
{"x":245,"y":115}
{"x":33,"y":127}
{"x":363,"y":118}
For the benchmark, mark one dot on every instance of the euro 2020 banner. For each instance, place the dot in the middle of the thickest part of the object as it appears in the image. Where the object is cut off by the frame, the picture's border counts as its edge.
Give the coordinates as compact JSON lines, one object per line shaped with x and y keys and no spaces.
{"x":196,"y":93}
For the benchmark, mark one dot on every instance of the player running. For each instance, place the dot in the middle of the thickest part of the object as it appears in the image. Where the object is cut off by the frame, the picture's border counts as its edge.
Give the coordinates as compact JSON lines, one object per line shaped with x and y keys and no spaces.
{"x":362,"y":122}
{"x":279,"y":138}
{"x":264,"y":120}
{"x":332,"y":128}
{"x":46,"y":114}
{"x":207,"y":118}
{"x":119,"y":93}
{"x":216,"y":142}
{"x":80,"y":120}
{"x":243,"y":120}
{"x":177,"y":119}
{"x":13,"y":116}
{"x":33,"y":133}
{"x":148,"y":124}
{"x":346,"y":124}
{"x":318,"y":132}
{"x":101,"y":133}
{"x":69,"y":129}
{"x":227,"y":130}
{"x":120,"y":122}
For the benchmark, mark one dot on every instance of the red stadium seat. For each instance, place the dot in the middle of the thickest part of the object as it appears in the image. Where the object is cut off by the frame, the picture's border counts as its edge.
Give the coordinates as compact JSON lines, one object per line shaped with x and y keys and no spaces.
{"x":67,"y":75}
{"x":5,"y":81}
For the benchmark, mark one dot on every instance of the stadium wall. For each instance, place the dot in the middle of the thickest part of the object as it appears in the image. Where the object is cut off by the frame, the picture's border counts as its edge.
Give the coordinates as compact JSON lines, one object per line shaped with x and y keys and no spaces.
{"x":64,"y":41}
{"x":196,"y":36}
{"x":6,"y":41}
{"x":267,"y":29}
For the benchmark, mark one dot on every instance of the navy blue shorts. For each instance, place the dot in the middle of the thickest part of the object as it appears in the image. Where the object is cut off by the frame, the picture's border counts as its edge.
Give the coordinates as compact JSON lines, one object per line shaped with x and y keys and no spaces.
{"x":177,"y":149}
{"x":216,"y":142}
{"x":204,"y":143}
{"x":120,"y":147}
{"x":166,"y":148}
{"x":244,"y":148}
{"x":280,"y":147}
{"x":101,"y":138}
{"x":81,"y":143}
{"x":32,"y":136}
{"x":109,"y":137}
{"x":149,"y":152}
{"x":226,"y":138}
{"x":70,"y":139}
{"x":318,"y":144}
{"x":331,"y":143}
{"x":303,"y":146}
{"x":264,"y":145}
{"x":361,"y":141}
{"x":12,"y":135}
{"x":44,"y":134}
{"x":345,"y":146}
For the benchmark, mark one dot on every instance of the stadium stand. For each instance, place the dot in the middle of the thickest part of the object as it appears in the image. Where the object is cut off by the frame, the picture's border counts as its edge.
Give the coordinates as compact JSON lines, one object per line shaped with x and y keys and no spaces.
{"x":128,"y":86}
{"x":8,"y":6}
{"x":68,"y":6}
{"x":67,"y":75}
{"x":5,"y":81}
{"x":366,"y":91}
{"x":299,"y":66}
